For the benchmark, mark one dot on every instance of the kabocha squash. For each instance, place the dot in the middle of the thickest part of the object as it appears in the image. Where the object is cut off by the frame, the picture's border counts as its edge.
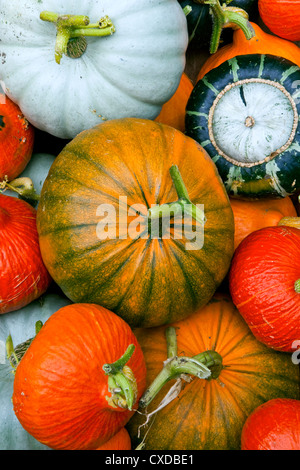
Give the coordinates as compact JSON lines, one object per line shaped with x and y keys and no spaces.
{"x":207,"y":414}
{"x":254,"y":215}
{"x":274,"y":425}
{"x":282,"y":17}
{"x":19,"y":327}
{"x":69,"y":65}
{"x":261,"y":43}
{"x":80,"y":379}
{"x":245,"y":113}
{"x":106,"y":227}
{"x":173,"y":112}
{"x":23,"y":275}
{"x":16,"y":139}
{"x":264,"y":282}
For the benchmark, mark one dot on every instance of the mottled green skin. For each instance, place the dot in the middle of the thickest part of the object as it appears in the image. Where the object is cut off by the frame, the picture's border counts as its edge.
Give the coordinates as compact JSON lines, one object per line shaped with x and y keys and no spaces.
{"x":280,"y":176}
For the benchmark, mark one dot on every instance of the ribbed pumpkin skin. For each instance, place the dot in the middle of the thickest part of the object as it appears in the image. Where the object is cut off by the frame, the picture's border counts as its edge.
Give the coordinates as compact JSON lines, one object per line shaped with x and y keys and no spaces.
{"x":275,"y":425}
{"x":148,"y":282}
{"x":60,"y":386}
{"x":23,"y":276}
{"x":254,"y":215}
{"x":210,"y":414}
{"x":282,"y":17}
{"x":261,"y":43}
{"x":173,"y":111}
{"x":120,"y":441}
{"x":16,"y":139}
{"x":262,"y":276}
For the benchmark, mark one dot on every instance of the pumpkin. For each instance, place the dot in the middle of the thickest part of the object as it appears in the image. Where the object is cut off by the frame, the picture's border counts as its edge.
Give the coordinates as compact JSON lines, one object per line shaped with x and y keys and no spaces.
{"x":201,"y":17}
{"x":80,"y":379}
{"x":23,"y":274}
{"x":109,"y":230}
{"x":274,"y":425}
{"x":16,"y":139}
{"x":173,"y":112}
{"x":261,"y":43}
{"x":264,"y":282}
{"x":20,"y":326}
{"x":120,"y":441}
{"x":95,"y":60}
{"x":192,"y":412}
{"x":282,"y":17}
{"x":245,"y":114}
{"x":29,"y":184}
{"x":253,"y":215}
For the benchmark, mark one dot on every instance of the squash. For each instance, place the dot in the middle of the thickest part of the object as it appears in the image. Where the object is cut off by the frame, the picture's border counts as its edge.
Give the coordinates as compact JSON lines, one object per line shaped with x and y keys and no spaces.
{"x":282,"y":17}
{"x":120,"y":441}
{"x":110,"y":60}
{"x":274,"y":425}
{"x":264,"y":282}
{"x":261,"y":43}
{"x":20,"y":326}
{"x":23,"y":275}
{"x":109,"y":230}
{"x":173,"y":111}
{"x":80,"y":379}
{"x":245,"y":114}
{"x":29,"y":184}
{"x":253,"y":215}
{"x":206,"y":413}
{"x":16,"y":139}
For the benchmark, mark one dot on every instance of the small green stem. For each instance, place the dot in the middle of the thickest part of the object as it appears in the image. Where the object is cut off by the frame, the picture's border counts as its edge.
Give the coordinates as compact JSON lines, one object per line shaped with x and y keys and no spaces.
{"x":15,"y":354}
{"x":121,"y":381}
{"x":297,"y":286}
{"x":206,"y":365}
{"x":23,"y":186}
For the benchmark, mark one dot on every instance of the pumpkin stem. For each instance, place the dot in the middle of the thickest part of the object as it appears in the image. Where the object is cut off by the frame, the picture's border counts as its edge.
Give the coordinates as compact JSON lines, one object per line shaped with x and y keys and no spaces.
{"x":226,"y":17}
{"x":15,"y":354}
{"x":23,"y":186}
{"x":206,"y":365}
{"x":71,"y":28}
{"x":121,"y":382}
{"x":297,"y":286}
{"x":292,"y":221}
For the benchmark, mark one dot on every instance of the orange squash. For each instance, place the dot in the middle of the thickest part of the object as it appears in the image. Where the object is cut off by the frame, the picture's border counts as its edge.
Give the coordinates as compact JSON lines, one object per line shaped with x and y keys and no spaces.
{"x":173,"y":111}
{"x":207,"y":414}
{"x":120,"y":441}
{"x":261,"y":43}
{"x":253,"y":215}
{"x":282,"y":17}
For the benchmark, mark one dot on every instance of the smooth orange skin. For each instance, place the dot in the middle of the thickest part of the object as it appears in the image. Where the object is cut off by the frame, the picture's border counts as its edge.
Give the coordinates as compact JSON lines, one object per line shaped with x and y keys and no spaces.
{"x":16,"y":139}
{"x":262,"y":276}
{"x":173,"y":111}
{"x":254,"y":215}
{"x":60,"y":388}
{"x":23,"y":275}
{"x":275,"y":425}
{"x":261,"y":43}
{"x":120,"y":441}
{"x":282,"y":17}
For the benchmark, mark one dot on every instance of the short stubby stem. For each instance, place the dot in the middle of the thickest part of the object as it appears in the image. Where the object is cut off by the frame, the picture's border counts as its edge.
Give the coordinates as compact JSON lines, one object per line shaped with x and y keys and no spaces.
{"x":15,"y":354}
{"x":24,"y":187}
{"x":121,"y":382}
{"x":75,"y":28}
{"x":297,"y":286}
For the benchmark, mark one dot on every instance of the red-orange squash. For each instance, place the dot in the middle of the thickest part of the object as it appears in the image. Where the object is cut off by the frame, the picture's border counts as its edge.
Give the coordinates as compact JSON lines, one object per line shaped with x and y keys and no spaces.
{"x":274,"y":425}
{"x":264,"y":282}
{"x":282,"y":17}
{"x":16,"y":139}
{"x":102,"y":234}
{"x":254,"y":215}
{"x":23,"y":275}
{"x":120,"y":441}
{"x":79,"y":382}
{"x":173,"y":111}
{"x":209,"y":414}
{"x":261,"y":43}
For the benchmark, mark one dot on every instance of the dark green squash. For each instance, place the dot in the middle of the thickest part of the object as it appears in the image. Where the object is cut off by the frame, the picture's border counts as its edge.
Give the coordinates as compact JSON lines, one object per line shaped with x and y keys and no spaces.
{"x":245,"y":113}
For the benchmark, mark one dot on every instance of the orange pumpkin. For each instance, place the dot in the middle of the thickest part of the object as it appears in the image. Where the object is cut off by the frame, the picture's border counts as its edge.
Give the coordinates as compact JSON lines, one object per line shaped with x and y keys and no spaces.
{"x":120,"y":441}
{"x":282,"y":17}
{"x":261,"y":43}
{"x":207,"y":414}
{"x":173,"y":111}
{"x":253,"y":215}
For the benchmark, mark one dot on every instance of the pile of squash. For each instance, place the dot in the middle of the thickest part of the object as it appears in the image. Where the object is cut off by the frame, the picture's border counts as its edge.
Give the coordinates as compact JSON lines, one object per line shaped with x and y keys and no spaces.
{"x":149,"y":225}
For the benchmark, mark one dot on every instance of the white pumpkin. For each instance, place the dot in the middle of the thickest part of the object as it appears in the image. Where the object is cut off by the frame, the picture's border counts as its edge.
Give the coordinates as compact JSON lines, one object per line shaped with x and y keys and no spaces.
{"x":131,"y":72}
